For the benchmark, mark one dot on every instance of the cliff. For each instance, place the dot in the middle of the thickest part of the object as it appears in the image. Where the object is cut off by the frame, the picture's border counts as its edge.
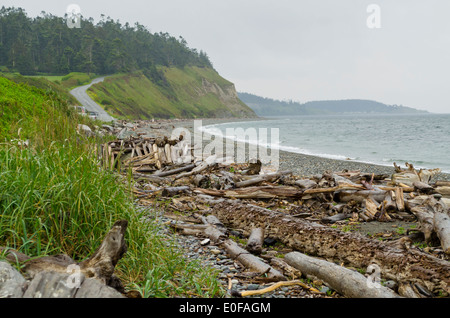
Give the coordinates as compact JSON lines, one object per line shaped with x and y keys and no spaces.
{"x":189,"y":92}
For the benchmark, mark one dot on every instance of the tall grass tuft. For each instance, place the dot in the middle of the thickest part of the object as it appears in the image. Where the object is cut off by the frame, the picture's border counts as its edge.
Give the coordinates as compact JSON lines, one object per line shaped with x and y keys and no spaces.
{"x":58,"y":199}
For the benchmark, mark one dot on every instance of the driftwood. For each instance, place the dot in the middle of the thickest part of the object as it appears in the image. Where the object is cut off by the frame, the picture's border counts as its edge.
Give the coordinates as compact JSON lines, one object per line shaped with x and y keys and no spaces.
{"x":262,"y":178}
{"x":94,"y":276}
{"x":262,"y":192}
{"x":306,"y":184}
{"x":145,"y":154}
{"x":399,"y":199}
{"x":442,"y":228}
{"x":48,"y":284}
{"x":443,"y":190}
{"x":250,"y":261}
{"x":256,"y":241}
{"x":410,"y":176}
{"x":270,"y":192}
{"x":99,"y":266}
{"x":360,"y":196}
{"x":203,"y":166}
{"x":403,"y":265}
{"x":434,"y":219}
{"x":173,"y":191}
{"x":345,"y":281}
{"x":423,"y":187}
{"x":175,"y":171}
{"x":285,"y":268}
{"x":329,"y":198}
{"x":273,"y":287}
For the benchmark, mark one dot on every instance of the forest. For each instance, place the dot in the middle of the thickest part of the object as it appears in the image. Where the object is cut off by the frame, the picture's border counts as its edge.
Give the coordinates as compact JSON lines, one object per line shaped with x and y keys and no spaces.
{"x":46,"y":45}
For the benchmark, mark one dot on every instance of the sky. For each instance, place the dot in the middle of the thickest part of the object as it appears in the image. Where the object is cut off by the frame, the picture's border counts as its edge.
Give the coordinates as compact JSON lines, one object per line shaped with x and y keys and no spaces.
{"x":394,"y":52}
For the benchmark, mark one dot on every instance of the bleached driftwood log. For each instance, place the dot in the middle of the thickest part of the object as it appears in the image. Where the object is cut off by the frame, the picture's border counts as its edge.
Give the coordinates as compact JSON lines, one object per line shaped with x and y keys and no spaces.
{"x":48,"y":284}
{"x":434,"y":217}
{"x":99,"y":266}
{"x":345,"y":281}
{"x":250,"y":261}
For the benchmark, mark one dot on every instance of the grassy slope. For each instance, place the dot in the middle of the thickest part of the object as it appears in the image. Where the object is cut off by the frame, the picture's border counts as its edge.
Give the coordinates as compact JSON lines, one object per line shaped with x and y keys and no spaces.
{"x":55,"y":198}
{"x":134,"y":96}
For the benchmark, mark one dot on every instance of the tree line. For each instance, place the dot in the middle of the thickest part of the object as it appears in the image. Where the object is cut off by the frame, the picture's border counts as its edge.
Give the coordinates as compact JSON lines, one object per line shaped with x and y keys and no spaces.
{"x":45,"y":44}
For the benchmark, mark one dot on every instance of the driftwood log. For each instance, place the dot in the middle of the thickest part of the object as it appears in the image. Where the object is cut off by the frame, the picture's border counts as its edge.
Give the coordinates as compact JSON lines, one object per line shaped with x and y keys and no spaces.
{"x":434,"y":218}
{"x":49,"y":284}
{"x":347,"y":282}
{"x":255,"y":241}
{"x":400,"y":264}
{"x":262,"y":178}
{"x":100,"y":266}
{"x":273,"y":287}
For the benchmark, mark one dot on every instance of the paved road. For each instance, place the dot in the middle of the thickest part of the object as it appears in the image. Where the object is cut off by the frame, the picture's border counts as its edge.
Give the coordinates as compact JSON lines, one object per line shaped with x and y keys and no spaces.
{"x":81,"y":95}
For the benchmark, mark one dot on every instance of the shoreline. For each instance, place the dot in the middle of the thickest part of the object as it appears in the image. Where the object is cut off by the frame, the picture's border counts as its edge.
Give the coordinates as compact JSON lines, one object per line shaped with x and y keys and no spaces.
{"x":303,"y":165}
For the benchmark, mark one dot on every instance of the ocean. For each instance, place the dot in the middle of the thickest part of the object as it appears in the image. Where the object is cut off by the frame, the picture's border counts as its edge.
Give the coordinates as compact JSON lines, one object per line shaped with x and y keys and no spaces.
{"x":423,"y":140}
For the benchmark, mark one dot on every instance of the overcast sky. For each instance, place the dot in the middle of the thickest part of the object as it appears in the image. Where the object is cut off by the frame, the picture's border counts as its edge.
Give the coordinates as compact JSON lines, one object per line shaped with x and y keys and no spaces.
{"x":303,"y":50}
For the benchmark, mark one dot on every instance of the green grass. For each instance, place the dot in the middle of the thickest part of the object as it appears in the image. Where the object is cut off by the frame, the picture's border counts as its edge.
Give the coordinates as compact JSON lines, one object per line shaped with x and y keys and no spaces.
{"x":135,"y":96}
{"x":76,"y":79}
{"x":43,"y":83}
{"x":51,"y":78}
{"x":68,"y":81}
{"x":55,"y":198}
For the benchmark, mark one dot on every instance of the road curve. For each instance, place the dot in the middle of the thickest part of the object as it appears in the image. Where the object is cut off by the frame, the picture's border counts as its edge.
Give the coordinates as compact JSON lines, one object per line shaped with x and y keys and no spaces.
{"x":80,"y":93}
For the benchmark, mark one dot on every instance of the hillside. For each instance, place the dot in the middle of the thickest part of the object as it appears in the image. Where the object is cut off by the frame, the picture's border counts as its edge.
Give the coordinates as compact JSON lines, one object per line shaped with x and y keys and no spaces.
{"x":270,"y":107}
{"x":170,"y":92}
{"x":26,"y":103}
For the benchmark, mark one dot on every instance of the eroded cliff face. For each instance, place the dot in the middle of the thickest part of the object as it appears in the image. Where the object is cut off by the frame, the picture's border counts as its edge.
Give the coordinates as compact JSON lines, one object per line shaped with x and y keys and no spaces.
{"x":189,"y":92}
{"x":229,"y":97}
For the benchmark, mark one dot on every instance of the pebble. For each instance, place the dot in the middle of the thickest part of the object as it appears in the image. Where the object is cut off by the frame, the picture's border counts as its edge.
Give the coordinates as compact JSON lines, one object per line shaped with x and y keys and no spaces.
{"x":205,"y":242}
{"x":253,"y":287}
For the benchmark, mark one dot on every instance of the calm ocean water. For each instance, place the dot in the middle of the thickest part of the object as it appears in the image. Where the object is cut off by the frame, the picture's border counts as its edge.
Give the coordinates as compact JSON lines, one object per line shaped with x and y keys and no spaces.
{"x":423,"y":140}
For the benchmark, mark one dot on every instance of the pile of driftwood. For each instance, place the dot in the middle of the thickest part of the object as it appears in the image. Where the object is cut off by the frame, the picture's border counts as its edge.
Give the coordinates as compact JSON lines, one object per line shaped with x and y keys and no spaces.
{"x":280,"y":206}
{"x":145,"y":154}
